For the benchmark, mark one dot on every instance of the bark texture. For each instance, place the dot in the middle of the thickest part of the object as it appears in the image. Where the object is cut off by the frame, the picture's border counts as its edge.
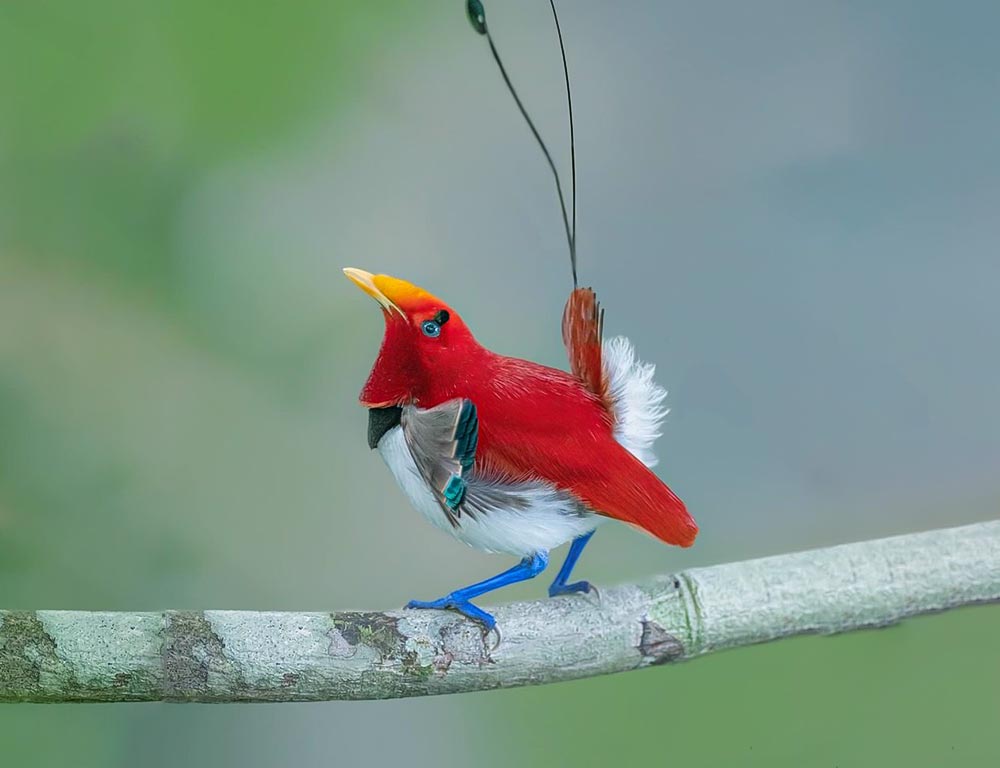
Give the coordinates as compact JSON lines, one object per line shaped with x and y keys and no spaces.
{"x":227,"y":656}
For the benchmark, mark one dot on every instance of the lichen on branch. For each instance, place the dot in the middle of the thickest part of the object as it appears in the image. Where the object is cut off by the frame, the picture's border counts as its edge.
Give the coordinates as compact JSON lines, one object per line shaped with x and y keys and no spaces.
{"x":229,"y":656}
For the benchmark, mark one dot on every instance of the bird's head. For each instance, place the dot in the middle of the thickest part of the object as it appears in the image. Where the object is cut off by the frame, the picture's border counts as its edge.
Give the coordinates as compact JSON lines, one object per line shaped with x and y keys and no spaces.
{"x":425,"y":344}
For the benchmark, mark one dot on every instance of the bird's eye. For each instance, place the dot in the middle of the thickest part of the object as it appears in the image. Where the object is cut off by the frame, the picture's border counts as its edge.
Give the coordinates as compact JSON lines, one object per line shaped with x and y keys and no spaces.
{"x":430,"y":328}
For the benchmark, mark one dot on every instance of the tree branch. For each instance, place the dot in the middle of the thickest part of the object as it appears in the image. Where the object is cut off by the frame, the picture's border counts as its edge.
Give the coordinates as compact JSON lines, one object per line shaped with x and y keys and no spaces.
{"x":54,"y":656}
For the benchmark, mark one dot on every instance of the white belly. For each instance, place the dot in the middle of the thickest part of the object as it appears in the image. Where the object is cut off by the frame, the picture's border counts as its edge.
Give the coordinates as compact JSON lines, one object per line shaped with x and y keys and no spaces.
{"x":548,"y":521}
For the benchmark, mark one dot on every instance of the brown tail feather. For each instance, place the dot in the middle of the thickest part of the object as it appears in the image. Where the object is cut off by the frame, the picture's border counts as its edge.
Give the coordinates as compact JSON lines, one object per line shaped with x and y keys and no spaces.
{"x":582,"y":331}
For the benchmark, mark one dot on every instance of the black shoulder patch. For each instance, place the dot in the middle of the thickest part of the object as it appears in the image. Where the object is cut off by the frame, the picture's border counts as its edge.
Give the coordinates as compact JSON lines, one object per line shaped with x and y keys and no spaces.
{"x":380,"y":421}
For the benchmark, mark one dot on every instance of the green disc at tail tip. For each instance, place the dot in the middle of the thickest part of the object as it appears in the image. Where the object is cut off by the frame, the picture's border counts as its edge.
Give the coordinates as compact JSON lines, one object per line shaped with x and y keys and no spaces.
{"x":477,"y":15}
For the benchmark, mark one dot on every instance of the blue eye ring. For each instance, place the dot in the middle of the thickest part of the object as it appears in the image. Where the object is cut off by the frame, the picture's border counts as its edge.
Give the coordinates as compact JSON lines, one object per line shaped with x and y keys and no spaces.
{"x":430,"y":328}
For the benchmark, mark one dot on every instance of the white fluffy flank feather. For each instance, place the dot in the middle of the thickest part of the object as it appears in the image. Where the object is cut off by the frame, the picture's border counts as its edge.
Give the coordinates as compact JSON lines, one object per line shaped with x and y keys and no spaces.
{"x":636,"y":399}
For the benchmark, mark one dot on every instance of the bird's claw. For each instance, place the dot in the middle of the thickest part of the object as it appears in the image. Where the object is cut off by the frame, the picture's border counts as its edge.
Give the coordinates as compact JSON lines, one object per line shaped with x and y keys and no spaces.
{"x":464,"y":607}
{"x":494,"y":630}
{"x":577,"y":587}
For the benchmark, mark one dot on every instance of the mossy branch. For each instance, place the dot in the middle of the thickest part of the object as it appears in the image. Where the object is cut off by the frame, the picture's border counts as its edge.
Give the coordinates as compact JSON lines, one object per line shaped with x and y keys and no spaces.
{"x":224,"y":656}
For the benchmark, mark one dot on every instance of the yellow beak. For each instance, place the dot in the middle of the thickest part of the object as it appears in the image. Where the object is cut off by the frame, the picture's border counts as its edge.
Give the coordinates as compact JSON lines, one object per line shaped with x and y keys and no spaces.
{"x":366,"y":282}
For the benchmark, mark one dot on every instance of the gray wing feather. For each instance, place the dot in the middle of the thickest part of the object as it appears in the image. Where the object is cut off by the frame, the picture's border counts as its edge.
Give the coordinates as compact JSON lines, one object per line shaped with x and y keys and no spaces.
{"x":438,"y":441}
{"x":442,"y":441}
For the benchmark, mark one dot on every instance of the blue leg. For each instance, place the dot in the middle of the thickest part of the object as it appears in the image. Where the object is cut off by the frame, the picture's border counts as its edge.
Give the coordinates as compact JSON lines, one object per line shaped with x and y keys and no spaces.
{"x":458,"y":600}
{"x":559,"y":586}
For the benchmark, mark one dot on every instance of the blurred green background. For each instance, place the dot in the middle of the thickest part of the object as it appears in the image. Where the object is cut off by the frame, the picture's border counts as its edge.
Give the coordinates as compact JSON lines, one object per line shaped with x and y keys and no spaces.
{"x":790,"y":207}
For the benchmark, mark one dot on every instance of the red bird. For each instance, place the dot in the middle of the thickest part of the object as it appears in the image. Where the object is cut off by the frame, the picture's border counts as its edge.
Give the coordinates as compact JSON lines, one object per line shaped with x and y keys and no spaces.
{"x":511,"y":456}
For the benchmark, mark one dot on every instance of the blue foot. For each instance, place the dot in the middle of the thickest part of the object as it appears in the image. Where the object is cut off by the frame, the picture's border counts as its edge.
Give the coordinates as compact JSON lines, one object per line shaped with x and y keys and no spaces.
{"x":559,"y":586}
{"x":463,"y":607}
{"x":569,"y":589}
{"x":458,"y":600}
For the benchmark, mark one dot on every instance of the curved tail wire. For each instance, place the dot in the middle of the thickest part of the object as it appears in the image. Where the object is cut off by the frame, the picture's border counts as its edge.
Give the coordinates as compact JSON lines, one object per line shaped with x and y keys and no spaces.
{"x":477,"y":17}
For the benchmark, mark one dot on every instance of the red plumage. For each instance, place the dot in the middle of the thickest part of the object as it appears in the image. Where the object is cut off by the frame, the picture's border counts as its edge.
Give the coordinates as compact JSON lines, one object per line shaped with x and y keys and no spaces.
{"x":534,"y":421}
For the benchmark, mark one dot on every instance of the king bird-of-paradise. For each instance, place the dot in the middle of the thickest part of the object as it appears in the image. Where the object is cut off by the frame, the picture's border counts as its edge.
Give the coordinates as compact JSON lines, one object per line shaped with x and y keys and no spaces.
{"x":507,"y":455}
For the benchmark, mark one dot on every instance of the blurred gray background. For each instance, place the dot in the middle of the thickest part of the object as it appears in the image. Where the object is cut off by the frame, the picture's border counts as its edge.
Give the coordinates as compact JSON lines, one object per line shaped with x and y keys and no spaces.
{"x":791,"y":208}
